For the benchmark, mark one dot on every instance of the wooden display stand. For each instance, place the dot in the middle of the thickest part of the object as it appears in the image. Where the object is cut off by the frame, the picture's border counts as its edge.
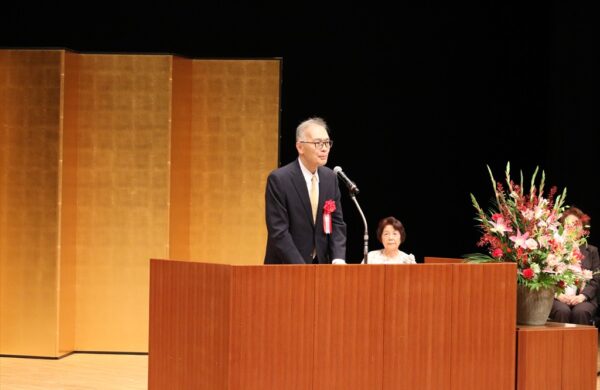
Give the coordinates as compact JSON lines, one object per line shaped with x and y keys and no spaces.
{"x":422,"y":326}
{"x":556,"y":356}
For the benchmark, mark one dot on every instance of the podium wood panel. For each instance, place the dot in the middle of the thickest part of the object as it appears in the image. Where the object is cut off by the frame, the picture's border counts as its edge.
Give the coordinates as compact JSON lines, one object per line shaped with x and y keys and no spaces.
{"x":483,"y":326}
{"x":224,"y":327}
{"x":272,"y":327}
{"x":349,"y":327}
{"x":417,"y":327}
{"x":189,"y":325}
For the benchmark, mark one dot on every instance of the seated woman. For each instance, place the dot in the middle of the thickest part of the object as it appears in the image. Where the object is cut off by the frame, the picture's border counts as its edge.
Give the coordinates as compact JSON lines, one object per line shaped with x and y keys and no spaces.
{"x":578,"y":305}
{"x":391,"y":234}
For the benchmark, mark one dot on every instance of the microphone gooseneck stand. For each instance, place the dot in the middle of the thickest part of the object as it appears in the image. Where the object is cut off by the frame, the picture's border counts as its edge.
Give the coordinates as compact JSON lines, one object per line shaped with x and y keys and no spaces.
{"x":353,"y":190}
{"x":366,"y":235}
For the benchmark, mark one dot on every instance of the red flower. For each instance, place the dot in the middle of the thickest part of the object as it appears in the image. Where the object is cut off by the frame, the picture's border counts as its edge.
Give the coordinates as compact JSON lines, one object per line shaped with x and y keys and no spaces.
{"x":528,"y":273}
{"x":497,"y":216}
{"x":329,"y":206}
{"x":497,"y":253}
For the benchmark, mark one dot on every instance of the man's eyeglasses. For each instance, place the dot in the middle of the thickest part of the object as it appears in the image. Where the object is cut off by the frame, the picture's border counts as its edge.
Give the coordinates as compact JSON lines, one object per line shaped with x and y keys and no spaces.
{"x":319,"y":144}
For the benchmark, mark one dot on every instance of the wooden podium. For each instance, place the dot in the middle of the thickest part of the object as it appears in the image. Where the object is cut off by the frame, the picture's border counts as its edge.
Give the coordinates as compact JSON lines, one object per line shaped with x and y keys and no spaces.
{"x":423,"y":326}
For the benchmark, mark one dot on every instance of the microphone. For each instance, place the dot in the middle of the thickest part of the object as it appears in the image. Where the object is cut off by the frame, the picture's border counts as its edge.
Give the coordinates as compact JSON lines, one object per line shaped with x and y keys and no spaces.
{"x":349,"y":183}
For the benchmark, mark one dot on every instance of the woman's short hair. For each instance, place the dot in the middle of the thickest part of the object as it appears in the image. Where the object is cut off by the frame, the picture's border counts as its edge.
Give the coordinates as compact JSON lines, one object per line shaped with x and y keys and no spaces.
{"x":583,"y":217}
{"x":397,"y":225}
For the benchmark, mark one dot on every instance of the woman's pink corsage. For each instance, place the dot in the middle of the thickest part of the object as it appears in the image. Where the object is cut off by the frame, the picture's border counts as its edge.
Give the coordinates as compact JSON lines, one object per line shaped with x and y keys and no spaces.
{"x":328,"y":208}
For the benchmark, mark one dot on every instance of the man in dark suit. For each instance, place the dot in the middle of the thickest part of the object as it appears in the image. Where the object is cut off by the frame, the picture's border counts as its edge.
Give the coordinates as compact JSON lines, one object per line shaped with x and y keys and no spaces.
{"x":298,"y":228}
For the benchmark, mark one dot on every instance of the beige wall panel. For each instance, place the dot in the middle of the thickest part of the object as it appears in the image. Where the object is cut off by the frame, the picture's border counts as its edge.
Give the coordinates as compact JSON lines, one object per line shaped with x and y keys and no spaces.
{"x":180,"y":184}
{"x":30,"y":83}
{"x":122,"y":195}
{"x":68,"y":205}
{"x":234,"y":145}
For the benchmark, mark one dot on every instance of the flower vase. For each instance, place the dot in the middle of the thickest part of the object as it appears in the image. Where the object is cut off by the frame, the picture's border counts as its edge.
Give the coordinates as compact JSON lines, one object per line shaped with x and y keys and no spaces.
{"x":533,"y":306}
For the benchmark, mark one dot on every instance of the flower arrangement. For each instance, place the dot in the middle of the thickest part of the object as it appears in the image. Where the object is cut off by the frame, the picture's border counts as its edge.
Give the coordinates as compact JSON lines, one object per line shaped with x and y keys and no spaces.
{"x":526,"y":228}
{"x":328,"y":209}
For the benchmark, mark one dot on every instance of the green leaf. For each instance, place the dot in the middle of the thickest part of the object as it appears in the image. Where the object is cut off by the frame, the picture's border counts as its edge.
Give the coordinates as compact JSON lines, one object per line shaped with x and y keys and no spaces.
{"x":507,"y":176}
{"x":480,"y":258}
{"x":493,"y":181}
{"x":560,"y":199}
{"x":532,"y":185}
{"x":521,"y":183}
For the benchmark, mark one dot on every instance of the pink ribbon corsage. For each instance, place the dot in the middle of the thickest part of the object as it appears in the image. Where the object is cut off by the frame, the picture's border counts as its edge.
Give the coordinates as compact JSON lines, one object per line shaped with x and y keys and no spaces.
{"x":328,"y":208}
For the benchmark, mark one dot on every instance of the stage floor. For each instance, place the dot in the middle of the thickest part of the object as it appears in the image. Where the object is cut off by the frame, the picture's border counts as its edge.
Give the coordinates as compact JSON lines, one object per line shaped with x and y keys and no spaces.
{"x":76,"y":371}
{"x":85,"y":371}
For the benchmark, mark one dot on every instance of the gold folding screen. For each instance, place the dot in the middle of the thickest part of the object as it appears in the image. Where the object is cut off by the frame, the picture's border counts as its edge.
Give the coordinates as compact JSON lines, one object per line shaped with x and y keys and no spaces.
{"x":122,"y":195}
{"x":234,"y":117}
{"x":68,"y":205}
{"x":109,"y":160}
{"x":29,"y":196}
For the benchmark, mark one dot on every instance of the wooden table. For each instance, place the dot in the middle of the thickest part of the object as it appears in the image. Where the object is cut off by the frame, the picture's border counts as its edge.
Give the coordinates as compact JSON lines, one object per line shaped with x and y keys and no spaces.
{"x":556,"y":356}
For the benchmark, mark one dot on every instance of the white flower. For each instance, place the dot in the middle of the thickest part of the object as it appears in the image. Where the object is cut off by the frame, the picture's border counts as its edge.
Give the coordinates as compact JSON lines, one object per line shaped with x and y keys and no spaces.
{"x":558,"y":238}
{"x":560,"y":268}
{"x":500,"y":226}
{"x":531,"y":243}
{"x":552,"y":260}
{"x":543,"y":241}
{"x":552,"y":226}
{"x":528,"y":214}
{"x":542,"y":223}
{"x":540,"y":208}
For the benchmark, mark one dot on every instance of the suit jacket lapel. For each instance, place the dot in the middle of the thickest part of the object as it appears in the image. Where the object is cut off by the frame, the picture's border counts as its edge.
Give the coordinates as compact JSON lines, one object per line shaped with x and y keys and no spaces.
{"x":585,"y":262}
{"x":302,"y":190}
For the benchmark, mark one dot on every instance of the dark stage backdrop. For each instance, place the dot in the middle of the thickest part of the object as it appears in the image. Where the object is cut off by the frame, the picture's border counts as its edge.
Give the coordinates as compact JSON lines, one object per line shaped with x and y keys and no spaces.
{"x":419,"y":99}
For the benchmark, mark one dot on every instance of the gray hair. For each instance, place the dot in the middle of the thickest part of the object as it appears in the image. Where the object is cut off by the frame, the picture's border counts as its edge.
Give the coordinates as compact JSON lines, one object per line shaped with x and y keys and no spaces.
{"x":311,"y":121}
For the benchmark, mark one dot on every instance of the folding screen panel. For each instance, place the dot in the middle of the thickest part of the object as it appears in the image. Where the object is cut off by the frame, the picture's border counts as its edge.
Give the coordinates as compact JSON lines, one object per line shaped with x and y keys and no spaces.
{"x":235,"y":115}
{"x":122,"y":194}
{"x":30,"y":133}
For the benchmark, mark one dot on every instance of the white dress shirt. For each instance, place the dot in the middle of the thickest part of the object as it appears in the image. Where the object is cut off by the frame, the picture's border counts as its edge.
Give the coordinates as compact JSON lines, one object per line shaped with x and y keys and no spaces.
{"x":378,"y":257}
